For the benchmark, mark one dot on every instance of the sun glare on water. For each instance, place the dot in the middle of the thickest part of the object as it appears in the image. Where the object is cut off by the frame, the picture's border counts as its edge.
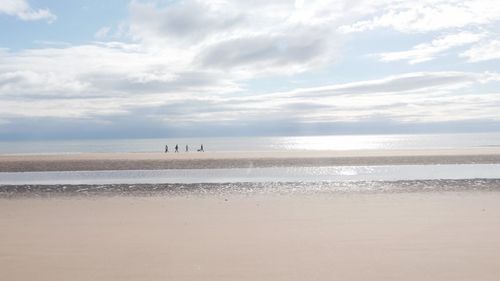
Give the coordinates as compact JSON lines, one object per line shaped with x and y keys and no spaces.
{"x":338,"y":142}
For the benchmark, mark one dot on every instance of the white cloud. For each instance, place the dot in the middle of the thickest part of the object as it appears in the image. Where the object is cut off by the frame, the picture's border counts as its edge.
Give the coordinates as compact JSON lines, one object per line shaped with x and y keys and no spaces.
{"x":22,"y":10}
{"x":183,"y":21}
{"x":429,"y":51}
{"x":261,"y":38}
{"x":428,"y":15}
{"x":415,"y":97}
{"x":100,"y":78}
{"x":249,"y":38}
{"x":34,"y":83}
{"x":189,"y":61}
{"x":103,"y":32}
{"x":268,"y":54}
{"x":489,"y":50}
{"x":299,"y":4}
{"x":401,"y":83}
{"x":93,"y":68}
{"x":412,"y":97}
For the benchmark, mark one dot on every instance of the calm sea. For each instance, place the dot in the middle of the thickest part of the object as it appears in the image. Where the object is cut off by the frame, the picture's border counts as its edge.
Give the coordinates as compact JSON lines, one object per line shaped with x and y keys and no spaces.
{"x":221,"y":144}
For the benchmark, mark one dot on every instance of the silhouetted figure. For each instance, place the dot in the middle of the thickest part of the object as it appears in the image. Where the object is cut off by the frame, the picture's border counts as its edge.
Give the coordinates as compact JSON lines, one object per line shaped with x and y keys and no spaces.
{"x":166,"y":148}
{"x":176,"y":148}
{"x":187,"y":148}
{"x":201,"y":148}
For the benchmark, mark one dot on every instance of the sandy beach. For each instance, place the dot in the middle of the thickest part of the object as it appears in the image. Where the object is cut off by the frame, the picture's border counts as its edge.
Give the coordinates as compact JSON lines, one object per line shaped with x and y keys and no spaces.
{"x":148,"y":161}
{"x":403,"y":230}
{"x":432,"y":236}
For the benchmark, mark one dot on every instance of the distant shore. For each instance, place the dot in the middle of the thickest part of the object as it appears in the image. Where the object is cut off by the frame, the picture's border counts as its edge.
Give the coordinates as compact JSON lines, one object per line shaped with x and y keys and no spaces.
{"x":207,"y":160}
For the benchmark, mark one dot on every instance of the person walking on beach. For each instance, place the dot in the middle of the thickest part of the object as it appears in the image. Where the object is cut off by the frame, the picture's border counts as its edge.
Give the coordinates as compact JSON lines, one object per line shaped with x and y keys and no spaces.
{"x":176,"y":148}
{"x":166,"y":148}
{"x":201,"y":148}
{"x":187,"y":148}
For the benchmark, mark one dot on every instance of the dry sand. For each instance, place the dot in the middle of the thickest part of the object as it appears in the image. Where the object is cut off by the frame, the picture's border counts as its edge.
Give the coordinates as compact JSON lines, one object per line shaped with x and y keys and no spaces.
{"x":144,"y":161}
{"x":432,"y":236}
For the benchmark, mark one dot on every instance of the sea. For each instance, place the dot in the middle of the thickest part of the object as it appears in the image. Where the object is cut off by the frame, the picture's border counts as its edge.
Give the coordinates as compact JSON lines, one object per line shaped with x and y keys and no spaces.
{"x":328,"y":179}
{"x":227,"y":144}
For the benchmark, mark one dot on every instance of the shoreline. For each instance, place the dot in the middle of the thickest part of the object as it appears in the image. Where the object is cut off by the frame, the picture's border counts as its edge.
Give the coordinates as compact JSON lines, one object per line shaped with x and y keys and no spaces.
{"x":205,"y":190}
{"x":213,"y":160}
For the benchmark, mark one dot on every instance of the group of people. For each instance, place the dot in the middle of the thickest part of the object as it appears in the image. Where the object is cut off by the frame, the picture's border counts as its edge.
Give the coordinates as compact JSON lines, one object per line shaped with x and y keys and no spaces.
{"x":187,"y":148}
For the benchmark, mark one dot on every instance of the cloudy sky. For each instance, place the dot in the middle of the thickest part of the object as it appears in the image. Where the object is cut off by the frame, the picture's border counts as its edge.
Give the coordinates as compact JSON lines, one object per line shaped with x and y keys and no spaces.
{"x":141,"y":68}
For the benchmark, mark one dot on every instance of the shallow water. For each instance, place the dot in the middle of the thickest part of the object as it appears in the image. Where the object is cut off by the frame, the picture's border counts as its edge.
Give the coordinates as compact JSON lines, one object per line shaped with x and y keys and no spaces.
{"x":256,"y":175}
{"x":252,"y":188}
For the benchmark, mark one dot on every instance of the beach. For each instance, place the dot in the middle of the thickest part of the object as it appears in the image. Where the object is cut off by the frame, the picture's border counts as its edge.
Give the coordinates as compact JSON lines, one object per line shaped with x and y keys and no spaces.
{"x":440,"y":229}
{"x":210,"y":160}
{"x":404,"y":236}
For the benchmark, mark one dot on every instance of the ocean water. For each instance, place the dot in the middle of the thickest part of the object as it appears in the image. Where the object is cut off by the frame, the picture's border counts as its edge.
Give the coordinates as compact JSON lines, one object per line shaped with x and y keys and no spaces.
{"x":221,"y":144}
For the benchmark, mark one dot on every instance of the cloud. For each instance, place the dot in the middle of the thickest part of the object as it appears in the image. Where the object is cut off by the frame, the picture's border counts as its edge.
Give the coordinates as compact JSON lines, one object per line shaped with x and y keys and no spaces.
{"x":138,"y":126}
{"x":457,"y":22}
{"x":428,"y":51}
{"x":101,"y":67}
{"x":22,"y":10}
{"x":100,"y":79}
{"x":184,"y":20}
{"x":409,"y":82}
{"x":250,"y":38}
{"x":489,"y":50}
{"x":269,"y":53}
{"x":103,"y":32}
{"x":412,"y":96}
{"x":200,"y":64}
{"x":412,"y":99}
{"x":428,"y":15}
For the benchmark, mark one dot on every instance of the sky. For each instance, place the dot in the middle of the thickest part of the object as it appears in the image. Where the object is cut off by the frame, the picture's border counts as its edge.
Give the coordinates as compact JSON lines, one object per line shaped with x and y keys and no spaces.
{"x":171,"y":68}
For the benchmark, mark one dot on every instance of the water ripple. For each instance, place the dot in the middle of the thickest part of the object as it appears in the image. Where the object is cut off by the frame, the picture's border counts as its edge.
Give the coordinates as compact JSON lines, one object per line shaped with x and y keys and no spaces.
{"x":251,"y":188}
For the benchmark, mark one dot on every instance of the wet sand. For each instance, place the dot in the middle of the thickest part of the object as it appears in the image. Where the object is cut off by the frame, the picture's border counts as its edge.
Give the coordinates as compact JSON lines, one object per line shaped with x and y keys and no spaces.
{"x":194,"y":160}
{"x":407,"y":236}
